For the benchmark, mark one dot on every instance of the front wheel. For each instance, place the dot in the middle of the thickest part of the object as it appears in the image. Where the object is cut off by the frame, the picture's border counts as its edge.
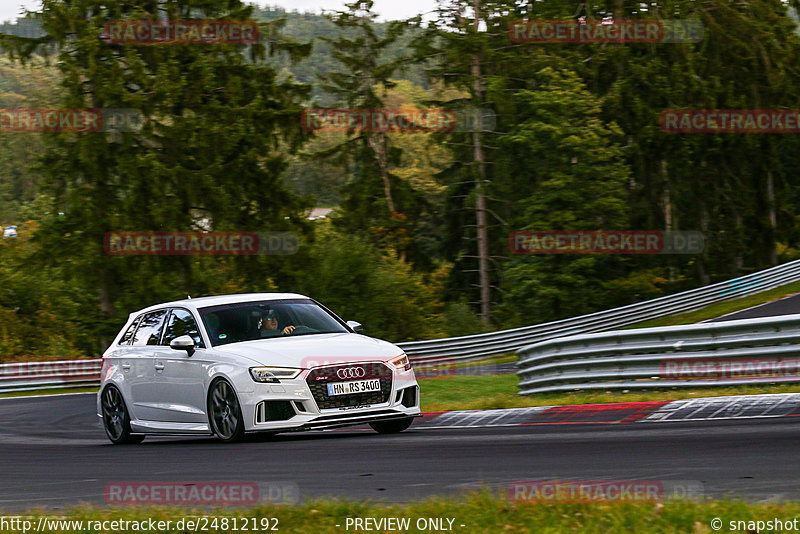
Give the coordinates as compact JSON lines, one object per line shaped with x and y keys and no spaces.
{"x":224,"y":412}
{"x":116,"y":420}
{"x":392,"y":427}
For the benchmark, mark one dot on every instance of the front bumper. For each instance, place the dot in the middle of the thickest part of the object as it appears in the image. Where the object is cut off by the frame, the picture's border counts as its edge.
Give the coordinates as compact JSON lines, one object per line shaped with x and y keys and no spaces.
{"x":291,"y":404}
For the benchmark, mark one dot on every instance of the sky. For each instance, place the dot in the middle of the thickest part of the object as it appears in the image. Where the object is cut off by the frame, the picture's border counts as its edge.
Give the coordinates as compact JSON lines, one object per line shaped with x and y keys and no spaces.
{"x":387,"y":9}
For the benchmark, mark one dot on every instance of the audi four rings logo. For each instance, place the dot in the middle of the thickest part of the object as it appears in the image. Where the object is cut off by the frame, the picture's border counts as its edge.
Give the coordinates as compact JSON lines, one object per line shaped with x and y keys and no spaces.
{"x":351,"y":372}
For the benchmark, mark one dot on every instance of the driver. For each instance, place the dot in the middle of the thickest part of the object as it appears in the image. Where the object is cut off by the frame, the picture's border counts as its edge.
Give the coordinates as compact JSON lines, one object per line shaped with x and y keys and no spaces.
{"x":268,"y":325}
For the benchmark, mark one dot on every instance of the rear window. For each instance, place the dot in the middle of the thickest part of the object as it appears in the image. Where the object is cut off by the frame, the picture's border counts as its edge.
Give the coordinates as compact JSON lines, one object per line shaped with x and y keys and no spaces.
{"x":126,"y":337}
{"x":149,"y":331}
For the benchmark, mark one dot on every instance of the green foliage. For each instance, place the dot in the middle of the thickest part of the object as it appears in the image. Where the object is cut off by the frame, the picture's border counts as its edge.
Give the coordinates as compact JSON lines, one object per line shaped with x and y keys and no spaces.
{"x":459,"y":319}
{"x":322,"y":32}
{"x":205,"y":157}
{"x":577,"y":145}
{"x":376,"y":204}
{"x":487,"y":511}
{"x":33,"y":86}
{"x":362,"y":283}
{"x":581,"y":183}
{"x":39,"y":312}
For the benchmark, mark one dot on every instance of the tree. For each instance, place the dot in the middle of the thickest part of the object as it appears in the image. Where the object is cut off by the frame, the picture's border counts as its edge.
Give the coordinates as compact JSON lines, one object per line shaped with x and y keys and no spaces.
{"x":581,"y":177}
{"x":214,"y":117}
{"x":370,"y":154}
{"x":456,"y":50}
{"x":359,"y":281}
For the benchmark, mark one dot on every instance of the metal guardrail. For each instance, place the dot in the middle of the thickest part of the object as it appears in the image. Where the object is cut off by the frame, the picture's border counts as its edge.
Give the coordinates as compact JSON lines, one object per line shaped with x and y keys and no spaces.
{"x":42,"y":375}
{"x":747,"y":351}
{"x":26,"y":376}
{"x":505,"y":341}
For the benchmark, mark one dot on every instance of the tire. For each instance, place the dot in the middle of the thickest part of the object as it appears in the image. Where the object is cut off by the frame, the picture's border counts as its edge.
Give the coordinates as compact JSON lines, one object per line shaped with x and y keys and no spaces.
{"x":392,"y":427}
{"x":224,"y":413}
{"x":116,"y":419}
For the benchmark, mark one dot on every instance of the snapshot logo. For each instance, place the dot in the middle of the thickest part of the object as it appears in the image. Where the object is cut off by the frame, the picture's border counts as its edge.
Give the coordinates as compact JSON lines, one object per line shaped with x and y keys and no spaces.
{"x":606,"y":31}
{"x":27,"y":120}
{"x":199,"y":493}
{"x":605,"y":242}
{"x":724,"y":121}
{"x":407,"y":120}
{"x":200,"y":243}
{"x":719,"y":368}
{"x":147,"y":32}
{"x":603,"y":490}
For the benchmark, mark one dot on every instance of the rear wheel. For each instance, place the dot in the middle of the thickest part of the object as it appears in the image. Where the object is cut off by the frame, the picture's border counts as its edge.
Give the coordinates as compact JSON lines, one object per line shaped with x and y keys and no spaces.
{"x":392,"y":427}
{"x":116,"y":420}
{"x":224,"y":412}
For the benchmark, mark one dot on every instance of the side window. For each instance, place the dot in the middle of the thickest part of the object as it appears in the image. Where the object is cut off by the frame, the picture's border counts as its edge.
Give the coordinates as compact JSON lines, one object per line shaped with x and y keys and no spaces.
{"x":149,"y":331}
{"x":126,"y":337}
{"x":181,"y":323}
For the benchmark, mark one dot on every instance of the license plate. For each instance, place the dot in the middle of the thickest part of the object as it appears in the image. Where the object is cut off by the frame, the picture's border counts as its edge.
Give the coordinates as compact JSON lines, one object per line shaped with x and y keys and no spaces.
{"x":355,"y":386}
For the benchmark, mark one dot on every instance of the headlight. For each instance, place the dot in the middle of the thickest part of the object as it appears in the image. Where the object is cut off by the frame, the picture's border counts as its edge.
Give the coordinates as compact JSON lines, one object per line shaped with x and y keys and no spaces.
{"x":400,"y":363}
{"x":273,"y":374}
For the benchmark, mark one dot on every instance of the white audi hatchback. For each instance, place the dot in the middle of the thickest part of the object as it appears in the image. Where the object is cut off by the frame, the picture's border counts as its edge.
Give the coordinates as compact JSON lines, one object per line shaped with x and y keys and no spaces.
{"x":261,"y":362}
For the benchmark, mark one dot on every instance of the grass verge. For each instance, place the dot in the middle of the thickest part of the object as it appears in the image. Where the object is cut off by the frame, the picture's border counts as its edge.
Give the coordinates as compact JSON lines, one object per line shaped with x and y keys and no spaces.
{"x":500,"y":391}
{"x":434,"y":368}
{"x":481,"y":513}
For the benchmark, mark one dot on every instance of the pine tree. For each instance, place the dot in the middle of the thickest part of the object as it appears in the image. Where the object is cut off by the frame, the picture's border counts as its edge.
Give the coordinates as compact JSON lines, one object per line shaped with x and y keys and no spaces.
{"x":386,"y":217}
{"x":214,"y":115}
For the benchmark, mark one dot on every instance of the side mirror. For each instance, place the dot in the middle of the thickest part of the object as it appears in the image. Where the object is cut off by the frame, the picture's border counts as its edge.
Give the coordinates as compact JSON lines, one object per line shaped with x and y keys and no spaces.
{"x":357,"y":328}
{"x":183,"y":343}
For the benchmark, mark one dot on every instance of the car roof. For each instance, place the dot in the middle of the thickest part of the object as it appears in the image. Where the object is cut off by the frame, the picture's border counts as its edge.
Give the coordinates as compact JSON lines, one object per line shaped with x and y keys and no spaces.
{"x":202,"y":302}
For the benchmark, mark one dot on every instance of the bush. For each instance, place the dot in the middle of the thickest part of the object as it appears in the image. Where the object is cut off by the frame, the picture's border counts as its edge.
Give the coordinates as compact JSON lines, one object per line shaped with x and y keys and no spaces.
{"x":359,"y":282}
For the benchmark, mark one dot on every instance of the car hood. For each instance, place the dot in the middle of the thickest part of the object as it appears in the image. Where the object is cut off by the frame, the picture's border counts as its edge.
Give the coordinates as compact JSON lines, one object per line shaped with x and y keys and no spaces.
{"x":313,"y":350}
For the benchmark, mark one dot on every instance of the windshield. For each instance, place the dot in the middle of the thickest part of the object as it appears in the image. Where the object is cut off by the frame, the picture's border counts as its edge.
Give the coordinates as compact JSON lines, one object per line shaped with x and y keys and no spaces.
{"x":248,"y":321}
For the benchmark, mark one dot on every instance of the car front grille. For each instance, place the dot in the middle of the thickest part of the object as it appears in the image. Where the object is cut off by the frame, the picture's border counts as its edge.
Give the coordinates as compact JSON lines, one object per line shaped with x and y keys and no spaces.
{"x":319,"y":378}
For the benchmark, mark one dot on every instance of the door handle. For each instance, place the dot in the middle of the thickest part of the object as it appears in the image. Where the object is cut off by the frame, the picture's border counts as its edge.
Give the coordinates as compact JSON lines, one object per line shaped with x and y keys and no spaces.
{"x":126,"y":367}
{"x":159,"y":367}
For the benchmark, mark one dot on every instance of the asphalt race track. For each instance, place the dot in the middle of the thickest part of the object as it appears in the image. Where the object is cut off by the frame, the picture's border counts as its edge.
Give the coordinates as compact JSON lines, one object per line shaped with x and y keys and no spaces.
{"x":54,"y":453}
{"x":784,"y":306}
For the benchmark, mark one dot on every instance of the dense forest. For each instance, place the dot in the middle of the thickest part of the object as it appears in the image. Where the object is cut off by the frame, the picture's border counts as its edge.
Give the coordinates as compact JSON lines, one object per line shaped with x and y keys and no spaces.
{"x":417,"y":244}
